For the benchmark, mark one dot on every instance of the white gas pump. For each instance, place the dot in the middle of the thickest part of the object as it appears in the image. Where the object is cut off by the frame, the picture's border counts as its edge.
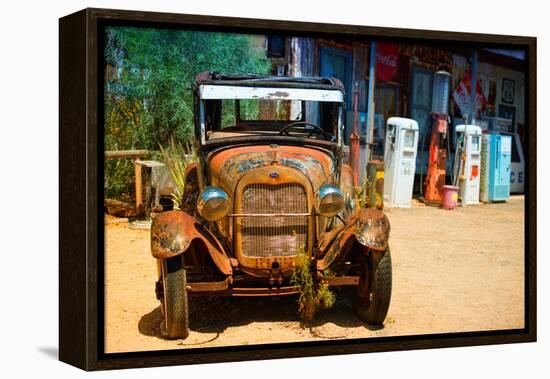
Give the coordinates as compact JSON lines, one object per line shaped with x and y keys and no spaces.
{"x":468,"y":151}
{"x":399,"y":161}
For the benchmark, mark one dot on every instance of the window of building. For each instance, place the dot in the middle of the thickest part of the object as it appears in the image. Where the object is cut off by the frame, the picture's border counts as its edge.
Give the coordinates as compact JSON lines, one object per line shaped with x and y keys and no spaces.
{"x":276,"y":46}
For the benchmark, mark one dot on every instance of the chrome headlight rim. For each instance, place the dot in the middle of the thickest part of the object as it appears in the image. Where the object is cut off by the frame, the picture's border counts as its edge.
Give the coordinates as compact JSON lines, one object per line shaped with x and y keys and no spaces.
{"x":329,"y":200}
{"x":213,"y":203}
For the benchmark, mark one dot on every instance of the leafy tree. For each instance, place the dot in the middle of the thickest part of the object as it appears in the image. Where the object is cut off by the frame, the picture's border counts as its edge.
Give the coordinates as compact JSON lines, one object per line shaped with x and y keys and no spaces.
{"x":149,"y":73}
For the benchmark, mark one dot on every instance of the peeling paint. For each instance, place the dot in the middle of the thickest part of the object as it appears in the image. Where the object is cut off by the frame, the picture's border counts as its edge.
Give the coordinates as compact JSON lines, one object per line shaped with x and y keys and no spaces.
{"x":229,"y":165}
{"x":172,"y":233}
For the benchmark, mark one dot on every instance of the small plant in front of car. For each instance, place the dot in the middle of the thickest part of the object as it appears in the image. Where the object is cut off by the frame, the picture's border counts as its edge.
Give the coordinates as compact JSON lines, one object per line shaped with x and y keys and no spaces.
{"x":313,"y":297}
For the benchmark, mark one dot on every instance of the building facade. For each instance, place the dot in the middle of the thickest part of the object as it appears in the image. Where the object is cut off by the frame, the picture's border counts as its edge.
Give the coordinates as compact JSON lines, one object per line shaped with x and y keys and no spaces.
{"x":385,"y":79}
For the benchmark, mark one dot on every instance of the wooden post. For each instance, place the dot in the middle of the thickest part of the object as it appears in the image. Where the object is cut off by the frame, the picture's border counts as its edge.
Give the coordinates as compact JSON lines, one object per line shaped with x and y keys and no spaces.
{"x":139,"y":193}
{"x":148,"y":185}
{"x":148,"y":166}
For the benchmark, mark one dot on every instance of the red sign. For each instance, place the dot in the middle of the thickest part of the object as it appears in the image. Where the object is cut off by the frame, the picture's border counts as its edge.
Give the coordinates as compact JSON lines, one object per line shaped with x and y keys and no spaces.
{"x":387,"y":61}
{"x":461,"y":95}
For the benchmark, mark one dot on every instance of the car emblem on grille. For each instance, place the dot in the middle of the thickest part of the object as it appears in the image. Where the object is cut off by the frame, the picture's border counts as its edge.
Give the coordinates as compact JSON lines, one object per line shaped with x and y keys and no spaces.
{"x":274,"y":175}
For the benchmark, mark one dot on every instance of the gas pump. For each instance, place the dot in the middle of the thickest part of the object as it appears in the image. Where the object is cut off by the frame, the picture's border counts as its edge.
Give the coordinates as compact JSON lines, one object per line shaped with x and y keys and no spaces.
{"x":468,"y":152}
{"x":435,"y":176}
{"x":399,"y":160}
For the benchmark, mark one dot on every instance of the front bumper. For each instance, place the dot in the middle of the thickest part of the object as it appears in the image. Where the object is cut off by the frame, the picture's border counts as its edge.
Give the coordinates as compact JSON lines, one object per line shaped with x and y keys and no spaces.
{"x":225,"y":287}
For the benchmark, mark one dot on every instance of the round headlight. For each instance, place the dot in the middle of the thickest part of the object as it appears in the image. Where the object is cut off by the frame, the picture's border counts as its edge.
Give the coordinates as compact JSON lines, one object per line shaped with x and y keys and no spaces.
{"x":213,"y":203}
{"x":329,"y":200}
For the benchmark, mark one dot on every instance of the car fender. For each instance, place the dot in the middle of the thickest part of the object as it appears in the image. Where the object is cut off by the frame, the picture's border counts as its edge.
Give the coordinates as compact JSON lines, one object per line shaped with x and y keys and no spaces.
{"x":369,"y":227}
{"x":173,"y":232}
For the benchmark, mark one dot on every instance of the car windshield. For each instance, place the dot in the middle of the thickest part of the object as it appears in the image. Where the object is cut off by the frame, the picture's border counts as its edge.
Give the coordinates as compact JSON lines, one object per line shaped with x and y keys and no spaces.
{"x":237,"y":112}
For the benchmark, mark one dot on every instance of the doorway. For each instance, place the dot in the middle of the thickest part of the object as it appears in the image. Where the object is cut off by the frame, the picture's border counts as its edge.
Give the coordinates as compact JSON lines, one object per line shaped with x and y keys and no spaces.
{"x":421,"y":108}
{"x":387,"y":104}
{"x":337,"y":63}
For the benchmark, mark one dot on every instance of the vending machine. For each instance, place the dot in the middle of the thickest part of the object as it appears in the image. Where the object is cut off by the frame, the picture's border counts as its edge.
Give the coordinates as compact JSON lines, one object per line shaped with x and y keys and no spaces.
{"x":496,"y":159}
{"x":400,"y":161}
{"x":507,"y":126}
{"x":468,"y":153}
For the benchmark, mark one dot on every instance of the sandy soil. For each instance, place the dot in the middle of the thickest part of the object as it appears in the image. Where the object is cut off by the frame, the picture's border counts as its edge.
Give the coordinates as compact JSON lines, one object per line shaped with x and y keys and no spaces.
{"x":453,"y":271}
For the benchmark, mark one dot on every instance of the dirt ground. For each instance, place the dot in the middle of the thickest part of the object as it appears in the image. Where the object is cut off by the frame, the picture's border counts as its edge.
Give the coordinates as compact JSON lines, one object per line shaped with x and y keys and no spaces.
{"x":460,"y":270}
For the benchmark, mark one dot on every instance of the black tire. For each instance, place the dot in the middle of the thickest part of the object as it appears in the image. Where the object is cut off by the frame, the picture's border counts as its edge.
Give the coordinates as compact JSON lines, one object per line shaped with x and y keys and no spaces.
{"x":175,"y":322}
{"x":371,"y":306}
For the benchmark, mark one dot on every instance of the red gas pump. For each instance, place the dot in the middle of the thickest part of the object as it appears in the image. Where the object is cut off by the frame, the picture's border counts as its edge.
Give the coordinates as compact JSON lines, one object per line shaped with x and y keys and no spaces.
{"x":435,"y":176}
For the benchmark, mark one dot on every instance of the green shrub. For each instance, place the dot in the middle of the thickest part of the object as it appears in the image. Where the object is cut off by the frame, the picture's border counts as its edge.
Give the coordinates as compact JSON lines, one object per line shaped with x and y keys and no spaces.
{"x":119,"y":180}
{"x":149,"y":74}
{"x":177,"y":158}
{"x":312,"y":296}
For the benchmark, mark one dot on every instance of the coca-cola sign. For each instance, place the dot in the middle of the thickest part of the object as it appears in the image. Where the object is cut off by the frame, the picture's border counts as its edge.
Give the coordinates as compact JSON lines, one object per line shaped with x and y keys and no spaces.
{"x":387,"y":61}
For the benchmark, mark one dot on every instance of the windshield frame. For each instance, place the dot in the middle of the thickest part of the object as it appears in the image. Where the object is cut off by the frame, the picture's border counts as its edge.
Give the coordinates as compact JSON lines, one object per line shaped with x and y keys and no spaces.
{"x":207,"y":92}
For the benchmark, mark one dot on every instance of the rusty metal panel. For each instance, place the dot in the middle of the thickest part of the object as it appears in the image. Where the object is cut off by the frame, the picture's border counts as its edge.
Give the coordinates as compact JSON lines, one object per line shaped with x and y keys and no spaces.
{"x":173,"y":232}
{"x":261,"y":291}
{"x":208,"y":286}
{"x":369,"y":227}
{"x":227,"y":167}
{"x":336,"y":281}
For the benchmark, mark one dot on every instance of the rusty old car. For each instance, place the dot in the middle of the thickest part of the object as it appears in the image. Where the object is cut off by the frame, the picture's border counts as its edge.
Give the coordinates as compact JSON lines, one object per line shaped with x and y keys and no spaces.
{"x":270,"y":181}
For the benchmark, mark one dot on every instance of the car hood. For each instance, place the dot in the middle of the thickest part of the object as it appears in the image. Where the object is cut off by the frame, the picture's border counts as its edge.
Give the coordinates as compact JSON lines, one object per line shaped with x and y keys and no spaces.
{"x":228,"y":166}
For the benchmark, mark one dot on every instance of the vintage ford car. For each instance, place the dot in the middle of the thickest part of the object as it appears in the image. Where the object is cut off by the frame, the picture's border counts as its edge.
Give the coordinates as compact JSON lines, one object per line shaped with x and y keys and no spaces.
{"x":270,"y":182}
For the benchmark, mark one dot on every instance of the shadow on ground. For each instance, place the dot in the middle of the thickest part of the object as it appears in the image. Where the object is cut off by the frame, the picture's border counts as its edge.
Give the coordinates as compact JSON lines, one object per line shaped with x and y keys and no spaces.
{"x":214,"y":315}
{"x":50,"y":351}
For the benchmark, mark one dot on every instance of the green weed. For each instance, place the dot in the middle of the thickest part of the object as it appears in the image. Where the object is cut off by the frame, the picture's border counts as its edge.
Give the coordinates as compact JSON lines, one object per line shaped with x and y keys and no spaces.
{"x":313,"y":297}
{"x":361,"y":194}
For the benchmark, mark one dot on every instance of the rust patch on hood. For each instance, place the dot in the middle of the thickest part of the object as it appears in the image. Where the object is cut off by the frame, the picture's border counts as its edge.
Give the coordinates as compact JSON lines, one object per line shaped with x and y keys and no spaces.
{"x":228,"y":166}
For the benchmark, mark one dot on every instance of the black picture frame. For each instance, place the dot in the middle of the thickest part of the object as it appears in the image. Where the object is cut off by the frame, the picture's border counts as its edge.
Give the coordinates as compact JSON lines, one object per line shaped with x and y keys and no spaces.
{"x":81,"y":192}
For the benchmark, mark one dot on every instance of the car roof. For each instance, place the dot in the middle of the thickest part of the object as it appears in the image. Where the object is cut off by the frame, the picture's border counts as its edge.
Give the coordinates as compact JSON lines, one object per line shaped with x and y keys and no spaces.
{"x":253,"y":80}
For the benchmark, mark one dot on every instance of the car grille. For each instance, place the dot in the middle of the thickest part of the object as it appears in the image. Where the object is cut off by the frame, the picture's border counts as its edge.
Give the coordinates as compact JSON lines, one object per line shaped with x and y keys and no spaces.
{"x":268,"y":236}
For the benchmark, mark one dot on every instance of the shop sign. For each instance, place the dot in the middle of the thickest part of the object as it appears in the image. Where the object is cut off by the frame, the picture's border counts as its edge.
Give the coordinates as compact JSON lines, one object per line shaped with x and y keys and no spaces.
{"x":461,"y":95}
{"x":387,"y":61}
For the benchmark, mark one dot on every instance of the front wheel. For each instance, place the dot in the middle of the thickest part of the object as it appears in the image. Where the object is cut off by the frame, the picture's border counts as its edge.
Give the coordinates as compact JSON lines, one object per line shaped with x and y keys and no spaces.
{"x":373,"y":295}
{"x":175,"y":299}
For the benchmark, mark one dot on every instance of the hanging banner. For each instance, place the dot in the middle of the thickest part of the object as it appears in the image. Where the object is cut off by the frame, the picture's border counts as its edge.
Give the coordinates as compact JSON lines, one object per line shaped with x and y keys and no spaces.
{"x":461,"y":95}
{"x":387,"y":61}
